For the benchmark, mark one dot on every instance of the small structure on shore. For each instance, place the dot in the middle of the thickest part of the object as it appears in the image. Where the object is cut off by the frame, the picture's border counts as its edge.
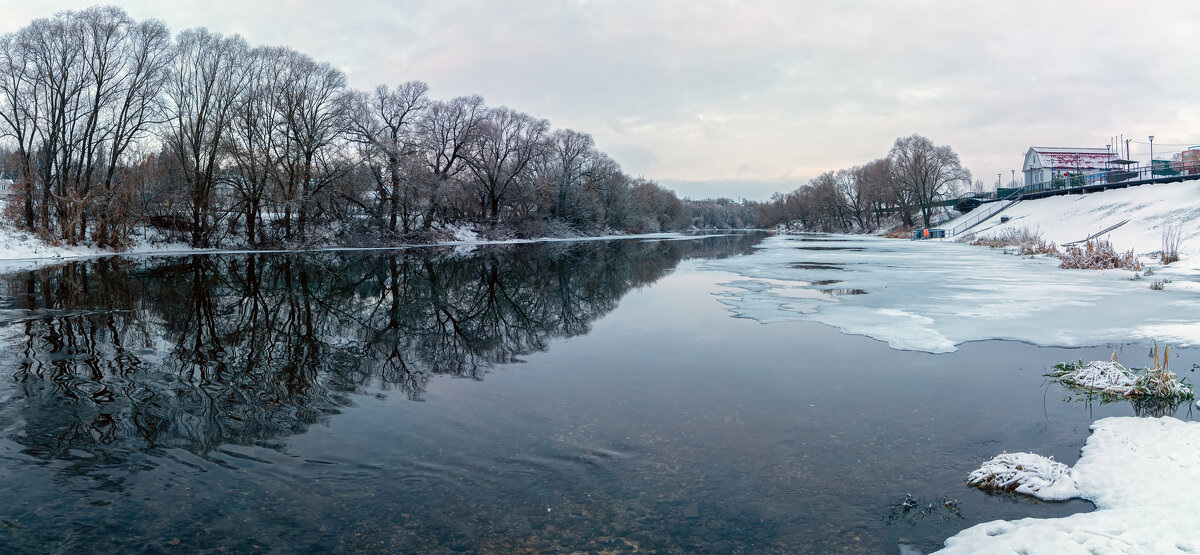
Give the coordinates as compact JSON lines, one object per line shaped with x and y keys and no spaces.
{"x":1045,"y":164}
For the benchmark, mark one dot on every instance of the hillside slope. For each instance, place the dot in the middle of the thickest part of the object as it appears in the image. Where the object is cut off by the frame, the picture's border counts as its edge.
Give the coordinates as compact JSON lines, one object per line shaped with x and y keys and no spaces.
{"x":1150,"y":209}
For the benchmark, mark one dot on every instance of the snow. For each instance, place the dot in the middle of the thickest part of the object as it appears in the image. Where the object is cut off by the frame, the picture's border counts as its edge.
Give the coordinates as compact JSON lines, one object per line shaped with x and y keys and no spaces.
{"x":21,"y":250}
{"x":1103,"y":376}
{"x":1026,"y":473}
{"x":932,"y":295}
{"x":1143,"y":475}
{"x":1149,"y":208}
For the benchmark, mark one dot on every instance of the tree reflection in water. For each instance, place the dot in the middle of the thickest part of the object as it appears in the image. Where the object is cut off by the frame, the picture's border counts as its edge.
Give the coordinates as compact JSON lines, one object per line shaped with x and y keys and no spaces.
{"x":118,"y":355}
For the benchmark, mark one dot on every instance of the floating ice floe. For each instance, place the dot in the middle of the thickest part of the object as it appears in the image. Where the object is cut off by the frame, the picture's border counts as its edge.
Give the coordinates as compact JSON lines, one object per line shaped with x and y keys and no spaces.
{"x":1143,"y":475}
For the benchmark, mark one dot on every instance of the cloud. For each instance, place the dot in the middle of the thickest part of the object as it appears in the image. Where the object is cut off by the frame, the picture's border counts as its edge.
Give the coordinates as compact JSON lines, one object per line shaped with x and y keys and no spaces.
{"x":755,"y":90}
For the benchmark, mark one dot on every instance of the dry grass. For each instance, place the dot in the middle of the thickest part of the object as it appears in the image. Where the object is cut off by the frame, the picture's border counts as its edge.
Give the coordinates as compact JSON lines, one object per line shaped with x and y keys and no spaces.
{"x":1021,"y":472}
{"x":1025,"y":240}
{"x":1112,"y":379}
{"x":1172,"y":236}
{"x":1099,"y":254}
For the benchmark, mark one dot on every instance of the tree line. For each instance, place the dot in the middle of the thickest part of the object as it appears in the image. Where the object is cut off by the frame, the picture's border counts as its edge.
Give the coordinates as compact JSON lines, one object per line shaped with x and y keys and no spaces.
{"x":902,"y":187}
{"x":111,"y":124}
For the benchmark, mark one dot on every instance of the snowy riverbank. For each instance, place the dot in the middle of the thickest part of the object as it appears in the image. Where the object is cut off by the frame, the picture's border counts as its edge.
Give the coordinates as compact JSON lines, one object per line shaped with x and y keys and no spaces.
{"x":20,"y":250}
{"x":1149,"y":209}
{"x":1142,"y":474}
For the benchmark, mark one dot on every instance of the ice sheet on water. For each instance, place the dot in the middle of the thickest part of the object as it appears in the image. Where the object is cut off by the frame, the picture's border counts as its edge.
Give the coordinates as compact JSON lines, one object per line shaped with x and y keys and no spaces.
{"x":932,"y":295}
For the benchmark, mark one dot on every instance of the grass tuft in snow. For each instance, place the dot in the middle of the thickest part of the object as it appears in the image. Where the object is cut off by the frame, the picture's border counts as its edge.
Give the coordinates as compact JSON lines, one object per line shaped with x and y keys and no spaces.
{"x":1159,"y":284}
{"x":1172,"y":236}
{"x":1024,"y":473}
{"x":1099,"y":254}
{"x":1026,"y":241}
{"x":1108,"y":377}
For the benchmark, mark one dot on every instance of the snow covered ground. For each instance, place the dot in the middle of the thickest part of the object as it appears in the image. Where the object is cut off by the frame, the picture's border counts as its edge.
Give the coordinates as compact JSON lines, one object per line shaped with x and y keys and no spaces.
{"x":22,"y":250}
{"x":1143,"y":474}
{"x":1149,"y":208}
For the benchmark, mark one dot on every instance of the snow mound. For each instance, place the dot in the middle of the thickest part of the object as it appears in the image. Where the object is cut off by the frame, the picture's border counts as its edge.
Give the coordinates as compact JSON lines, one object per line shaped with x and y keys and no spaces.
{"x":1025,"y":473}
{"x":1143,"y":474}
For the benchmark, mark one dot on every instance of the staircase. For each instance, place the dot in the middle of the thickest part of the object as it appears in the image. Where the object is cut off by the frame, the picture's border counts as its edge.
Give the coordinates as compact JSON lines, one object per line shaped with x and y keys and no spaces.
{"x":982,"y":215}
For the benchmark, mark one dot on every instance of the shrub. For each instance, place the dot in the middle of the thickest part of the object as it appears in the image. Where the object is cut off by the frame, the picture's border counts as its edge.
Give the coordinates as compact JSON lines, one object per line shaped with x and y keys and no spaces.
{"x":1026,"y":241}
{"x":1023,"y":473}
{"x":1099,"y":254}
{"x":1111,"y":379}
{"x":1172,"y":236}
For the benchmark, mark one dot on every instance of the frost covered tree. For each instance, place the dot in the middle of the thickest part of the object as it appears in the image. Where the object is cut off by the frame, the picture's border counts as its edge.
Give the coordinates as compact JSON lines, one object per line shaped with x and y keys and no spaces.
{"x":445,"y":135}
{"x":384,"y":123}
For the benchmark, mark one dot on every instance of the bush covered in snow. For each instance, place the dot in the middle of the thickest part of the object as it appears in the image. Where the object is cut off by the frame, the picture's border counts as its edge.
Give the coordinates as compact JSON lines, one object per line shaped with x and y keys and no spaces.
{"x":1110,"y":378}
{"x":1099,"y":254}
{"x":1025,"y":473}
{"x":1026,"y":241}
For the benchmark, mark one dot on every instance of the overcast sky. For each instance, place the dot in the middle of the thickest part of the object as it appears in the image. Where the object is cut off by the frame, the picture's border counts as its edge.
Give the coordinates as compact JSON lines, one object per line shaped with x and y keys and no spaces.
{"x":743,"y":99}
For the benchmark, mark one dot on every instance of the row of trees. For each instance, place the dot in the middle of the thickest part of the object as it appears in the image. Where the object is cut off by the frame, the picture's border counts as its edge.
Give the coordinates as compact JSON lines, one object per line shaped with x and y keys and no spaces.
{"x":908,"y":183}
{"x":109,"y":123}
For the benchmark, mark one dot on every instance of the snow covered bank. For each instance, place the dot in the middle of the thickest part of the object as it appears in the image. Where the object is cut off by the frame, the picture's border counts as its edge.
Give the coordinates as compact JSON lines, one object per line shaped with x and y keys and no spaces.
{"x":20,"y":250}
{"x":23,"y":250}
{"x":1150,"y":209}
{"x":1143,"y":474}
{"x":932,"y":296}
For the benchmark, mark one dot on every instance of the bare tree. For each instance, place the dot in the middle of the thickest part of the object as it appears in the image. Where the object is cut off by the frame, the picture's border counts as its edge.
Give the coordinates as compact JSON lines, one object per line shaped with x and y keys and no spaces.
{"x":19,"y":115}
{"x":446,"y":133}
{"x":925,"y":172}
{"x":384,"y":123}
{"x":206,"y":79}
{"x":502,"y":152}
{"x":570,"y":154}
{"x":252,"y":138}
{"x":309,"y":98}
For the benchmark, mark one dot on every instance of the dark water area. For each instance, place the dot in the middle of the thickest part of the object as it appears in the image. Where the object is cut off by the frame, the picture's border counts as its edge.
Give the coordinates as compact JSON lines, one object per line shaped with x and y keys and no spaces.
{"x":558,"y":397}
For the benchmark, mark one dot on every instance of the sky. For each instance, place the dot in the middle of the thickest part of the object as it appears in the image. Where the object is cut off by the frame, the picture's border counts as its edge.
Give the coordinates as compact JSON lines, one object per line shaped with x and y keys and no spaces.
{"x":743,"y":99}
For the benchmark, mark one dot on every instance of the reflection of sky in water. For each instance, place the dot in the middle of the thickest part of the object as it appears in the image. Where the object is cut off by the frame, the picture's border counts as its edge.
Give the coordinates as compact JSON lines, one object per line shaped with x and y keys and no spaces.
{"x":663,"y":424}
{"x":932,"y":296}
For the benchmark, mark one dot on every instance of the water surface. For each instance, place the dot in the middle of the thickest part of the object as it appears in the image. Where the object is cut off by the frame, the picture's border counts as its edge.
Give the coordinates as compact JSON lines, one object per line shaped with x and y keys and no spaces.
{"x":559,"y":397}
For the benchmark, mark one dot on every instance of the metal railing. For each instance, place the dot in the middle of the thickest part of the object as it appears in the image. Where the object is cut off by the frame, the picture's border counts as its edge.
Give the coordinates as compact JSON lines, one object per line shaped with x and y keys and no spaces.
{"x":992,"y":210}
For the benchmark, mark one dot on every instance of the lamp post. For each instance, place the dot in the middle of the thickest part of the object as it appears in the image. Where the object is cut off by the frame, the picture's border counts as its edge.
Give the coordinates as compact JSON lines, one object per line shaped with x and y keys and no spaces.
{"x":1151,"y":156}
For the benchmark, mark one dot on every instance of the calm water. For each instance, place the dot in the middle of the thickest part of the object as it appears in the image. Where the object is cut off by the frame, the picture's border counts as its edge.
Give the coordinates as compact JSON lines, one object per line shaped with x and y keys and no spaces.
{"x":554,"y":398}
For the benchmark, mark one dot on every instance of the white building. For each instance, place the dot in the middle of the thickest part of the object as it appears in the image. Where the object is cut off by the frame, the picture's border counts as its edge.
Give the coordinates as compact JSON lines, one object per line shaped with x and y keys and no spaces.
{"x":1043,"y":164}
{"x":7,"y":188}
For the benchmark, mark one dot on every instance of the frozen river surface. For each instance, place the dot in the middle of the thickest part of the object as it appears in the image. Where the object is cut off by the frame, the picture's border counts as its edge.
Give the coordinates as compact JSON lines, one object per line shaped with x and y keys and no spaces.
{"x":934,"y":296}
